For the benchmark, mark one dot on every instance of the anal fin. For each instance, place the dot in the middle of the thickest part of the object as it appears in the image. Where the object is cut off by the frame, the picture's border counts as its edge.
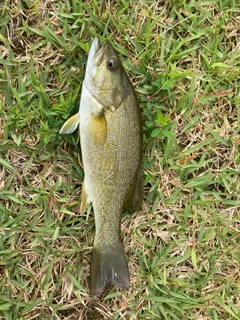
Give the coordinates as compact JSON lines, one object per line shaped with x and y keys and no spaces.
{"x":84,"y":199}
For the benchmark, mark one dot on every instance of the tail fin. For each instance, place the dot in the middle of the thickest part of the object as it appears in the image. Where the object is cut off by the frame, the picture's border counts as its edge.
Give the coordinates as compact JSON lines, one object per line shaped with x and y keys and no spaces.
{"x":108,"y":265}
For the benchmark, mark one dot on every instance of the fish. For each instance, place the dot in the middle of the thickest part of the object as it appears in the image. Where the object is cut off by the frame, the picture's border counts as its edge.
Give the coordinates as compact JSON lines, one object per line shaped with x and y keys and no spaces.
{"x":111,"y":140}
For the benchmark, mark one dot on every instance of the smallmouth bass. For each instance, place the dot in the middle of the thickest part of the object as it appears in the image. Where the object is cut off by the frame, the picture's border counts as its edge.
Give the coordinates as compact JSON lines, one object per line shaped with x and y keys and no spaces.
{"x":111,"y":141}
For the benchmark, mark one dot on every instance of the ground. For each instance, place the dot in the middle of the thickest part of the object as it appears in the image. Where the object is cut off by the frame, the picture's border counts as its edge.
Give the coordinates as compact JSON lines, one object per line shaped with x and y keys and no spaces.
{"x":183,"y":58}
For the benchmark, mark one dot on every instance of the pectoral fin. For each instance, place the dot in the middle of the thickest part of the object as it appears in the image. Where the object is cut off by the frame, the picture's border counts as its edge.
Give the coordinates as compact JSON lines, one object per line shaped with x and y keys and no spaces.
{"x":98,"y":131}
{"x":70,"y":125}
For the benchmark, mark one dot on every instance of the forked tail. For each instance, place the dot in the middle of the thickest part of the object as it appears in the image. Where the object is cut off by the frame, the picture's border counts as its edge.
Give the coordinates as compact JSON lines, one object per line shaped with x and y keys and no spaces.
{"x":108,"y":265}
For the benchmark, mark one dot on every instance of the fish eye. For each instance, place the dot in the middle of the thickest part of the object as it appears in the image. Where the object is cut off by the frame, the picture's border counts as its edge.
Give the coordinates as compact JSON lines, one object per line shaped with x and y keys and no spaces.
{"x":112,"y":64}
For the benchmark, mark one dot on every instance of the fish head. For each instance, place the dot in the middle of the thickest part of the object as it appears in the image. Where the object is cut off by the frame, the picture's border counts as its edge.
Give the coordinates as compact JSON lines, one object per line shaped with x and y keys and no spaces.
{"x":105,"y":76}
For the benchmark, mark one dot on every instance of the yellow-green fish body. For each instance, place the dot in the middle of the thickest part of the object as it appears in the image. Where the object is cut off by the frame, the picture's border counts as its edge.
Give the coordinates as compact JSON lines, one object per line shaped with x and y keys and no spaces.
{"x":111,"y":144}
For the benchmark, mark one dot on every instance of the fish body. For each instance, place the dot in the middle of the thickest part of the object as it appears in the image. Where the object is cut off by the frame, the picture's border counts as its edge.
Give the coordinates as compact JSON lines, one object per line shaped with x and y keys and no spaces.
{"x":111,"y":145}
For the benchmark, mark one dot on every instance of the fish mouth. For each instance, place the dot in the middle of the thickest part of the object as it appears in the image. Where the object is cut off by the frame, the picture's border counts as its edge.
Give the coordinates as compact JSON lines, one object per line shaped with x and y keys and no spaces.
{"x":95,"y":55}
{"x":94,"y":48}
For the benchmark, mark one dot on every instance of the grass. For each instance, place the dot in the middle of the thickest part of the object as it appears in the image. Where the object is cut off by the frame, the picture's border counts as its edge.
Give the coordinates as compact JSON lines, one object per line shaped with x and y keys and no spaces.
{"x":183,"y":245}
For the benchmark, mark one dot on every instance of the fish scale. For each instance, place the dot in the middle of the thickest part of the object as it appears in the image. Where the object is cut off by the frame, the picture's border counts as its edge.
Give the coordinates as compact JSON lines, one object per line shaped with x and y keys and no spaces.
{"x":111,"y":145}
{"x":109,"y":179}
